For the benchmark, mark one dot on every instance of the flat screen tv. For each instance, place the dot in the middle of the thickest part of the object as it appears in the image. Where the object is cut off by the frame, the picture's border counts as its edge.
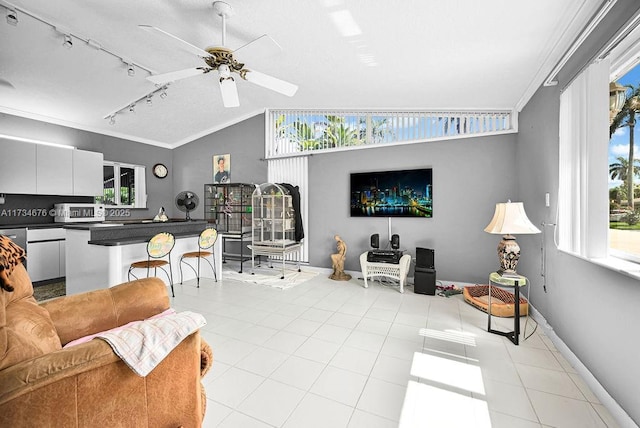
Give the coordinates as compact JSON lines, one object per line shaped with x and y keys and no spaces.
{"x":402,"y":193}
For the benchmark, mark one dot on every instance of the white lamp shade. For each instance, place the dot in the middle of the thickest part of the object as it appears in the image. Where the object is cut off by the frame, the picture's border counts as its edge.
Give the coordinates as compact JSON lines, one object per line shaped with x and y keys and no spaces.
{"x":510,"y":218}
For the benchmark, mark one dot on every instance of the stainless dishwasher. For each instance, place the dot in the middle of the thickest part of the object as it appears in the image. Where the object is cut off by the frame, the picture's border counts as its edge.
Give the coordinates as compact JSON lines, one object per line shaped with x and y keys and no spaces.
{"x":17,"y":235}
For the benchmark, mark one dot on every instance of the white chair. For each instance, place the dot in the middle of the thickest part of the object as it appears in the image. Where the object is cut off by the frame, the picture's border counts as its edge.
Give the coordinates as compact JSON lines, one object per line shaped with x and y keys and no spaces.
{"x":397,"y":271}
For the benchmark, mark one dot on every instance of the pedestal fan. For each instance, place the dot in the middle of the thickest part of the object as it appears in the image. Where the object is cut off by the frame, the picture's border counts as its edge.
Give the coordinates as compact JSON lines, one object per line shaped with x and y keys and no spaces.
{"x":187,"y":201}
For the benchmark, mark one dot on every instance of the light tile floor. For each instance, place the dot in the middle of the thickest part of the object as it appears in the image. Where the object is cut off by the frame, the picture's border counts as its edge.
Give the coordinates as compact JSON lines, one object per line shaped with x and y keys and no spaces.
{"x":334,"y":354}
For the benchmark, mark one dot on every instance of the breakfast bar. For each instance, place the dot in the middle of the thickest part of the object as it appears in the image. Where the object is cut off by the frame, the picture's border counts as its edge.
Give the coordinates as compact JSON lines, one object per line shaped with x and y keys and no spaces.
{"x":98,"y":256}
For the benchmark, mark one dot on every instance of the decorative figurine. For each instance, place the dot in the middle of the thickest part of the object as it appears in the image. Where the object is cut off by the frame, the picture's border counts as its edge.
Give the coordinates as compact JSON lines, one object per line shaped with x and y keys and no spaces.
{"x":338,"y":261}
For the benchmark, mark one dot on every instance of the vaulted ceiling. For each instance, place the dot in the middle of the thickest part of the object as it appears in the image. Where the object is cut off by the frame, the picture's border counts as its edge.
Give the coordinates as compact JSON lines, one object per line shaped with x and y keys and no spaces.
{"x":343,"y":54}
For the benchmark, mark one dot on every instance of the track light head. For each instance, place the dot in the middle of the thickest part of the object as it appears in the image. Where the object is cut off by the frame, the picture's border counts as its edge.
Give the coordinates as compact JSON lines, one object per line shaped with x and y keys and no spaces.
{"x":12,"y":17}
{"x":112,"y":119}
{"x":68,"y":41}
{"x":163,"y":94}
{"x":132,"y":108}
{"x":149,"y":101}
{"x":130,"y":70}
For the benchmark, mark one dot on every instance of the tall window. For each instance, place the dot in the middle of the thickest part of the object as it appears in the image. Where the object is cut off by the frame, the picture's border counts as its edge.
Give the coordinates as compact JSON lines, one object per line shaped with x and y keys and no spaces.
{"x":123,"y":185}
{"x":624,"y":172}
{"x":582,"y":200}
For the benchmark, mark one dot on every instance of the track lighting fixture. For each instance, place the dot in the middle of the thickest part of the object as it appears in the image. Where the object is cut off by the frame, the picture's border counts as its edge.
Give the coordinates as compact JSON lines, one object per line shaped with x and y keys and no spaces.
{"x":12,"y":17}
{"x":130,"y":70}
{"x":131,"y":107}
{"x":68,"y":41}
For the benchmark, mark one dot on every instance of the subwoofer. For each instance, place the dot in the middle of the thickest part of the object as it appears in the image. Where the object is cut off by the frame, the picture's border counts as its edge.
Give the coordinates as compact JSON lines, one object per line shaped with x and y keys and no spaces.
{"x":375,"y":241}
{"x":424,"y":280}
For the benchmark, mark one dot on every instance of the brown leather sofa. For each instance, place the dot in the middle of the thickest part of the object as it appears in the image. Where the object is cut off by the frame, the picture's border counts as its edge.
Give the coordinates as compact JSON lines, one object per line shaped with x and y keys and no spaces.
{"x":44,"y":385}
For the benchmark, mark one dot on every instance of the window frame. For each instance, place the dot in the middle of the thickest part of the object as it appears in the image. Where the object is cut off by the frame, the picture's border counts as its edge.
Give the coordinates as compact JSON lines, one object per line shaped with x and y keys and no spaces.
{"x":140,"y":197}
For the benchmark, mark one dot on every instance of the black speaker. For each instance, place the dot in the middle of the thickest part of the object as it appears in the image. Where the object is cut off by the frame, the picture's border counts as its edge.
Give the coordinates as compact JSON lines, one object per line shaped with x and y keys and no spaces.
{"x":375,"y":241}
{"x":424,"y":281}
{"x":395,"y":241}
{"x":425,"y":258}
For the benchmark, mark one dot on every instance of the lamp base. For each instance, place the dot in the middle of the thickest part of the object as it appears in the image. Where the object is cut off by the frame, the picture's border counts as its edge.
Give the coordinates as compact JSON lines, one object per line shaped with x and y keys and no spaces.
{"x":508,"y":254}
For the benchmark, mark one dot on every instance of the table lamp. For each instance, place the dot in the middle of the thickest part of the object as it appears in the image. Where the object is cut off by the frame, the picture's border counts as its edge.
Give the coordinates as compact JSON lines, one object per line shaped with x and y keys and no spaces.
{"x":509,"y":219}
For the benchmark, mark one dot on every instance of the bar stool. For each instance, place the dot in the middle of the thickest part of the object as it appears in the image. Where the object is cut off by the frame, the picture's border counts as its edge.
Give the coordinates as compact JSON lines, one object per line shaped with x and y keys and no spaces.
{"x":158,"y":247}
{"x":206,"y":240}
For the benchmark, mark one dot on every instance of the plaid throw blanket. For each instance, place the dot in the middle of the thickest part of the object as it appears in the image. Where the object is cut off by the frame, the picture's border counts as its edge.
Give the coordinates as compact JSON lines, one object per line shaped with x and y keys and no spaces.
{"x":144,"y":344}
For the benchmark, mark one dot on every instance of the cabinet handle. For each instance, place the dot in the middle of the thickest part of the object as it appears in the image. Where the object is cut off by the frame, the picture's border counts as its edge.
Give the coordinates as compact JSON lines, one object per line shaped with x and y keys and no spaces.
{"x":12,"y":236}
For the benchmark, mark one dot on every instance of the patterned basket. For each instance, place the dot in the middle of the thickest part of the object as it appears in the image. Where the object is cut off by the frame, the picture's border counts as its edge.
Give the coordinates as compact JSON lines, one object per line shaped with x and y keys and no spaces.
{"x":502,"y":301}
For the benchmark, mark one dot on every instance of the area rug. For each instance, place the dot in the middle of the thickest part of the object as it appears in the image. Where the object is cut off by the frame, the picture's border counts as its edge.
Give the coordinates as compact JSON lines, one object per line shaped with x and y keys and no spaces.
{"x":291,"y":278}
{"x":49,"y":291}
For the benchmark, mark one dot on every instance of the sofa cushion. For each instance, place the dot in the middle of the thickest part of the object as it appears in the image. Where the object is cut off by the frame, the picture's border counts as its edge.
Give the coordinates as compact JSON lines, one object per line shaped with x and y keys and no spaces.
{"x":26,"y":329}
{"x":11,"y":255}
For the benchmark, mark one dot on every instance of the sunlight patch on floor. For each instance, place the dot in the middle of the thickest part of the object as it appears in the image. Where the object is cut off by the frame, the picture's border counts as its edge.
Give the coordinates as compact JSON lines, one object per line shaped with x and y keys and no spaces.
{"x":429,"y":406}
{"x":444,"y":371}
{"x":449,"y":335}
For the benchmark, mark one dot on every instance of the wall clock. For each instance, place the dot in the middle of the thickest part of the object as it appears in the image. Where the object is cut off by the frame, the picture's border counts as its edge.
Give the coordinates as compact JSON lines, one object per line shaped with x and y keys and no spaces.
{"x":160,"y":171}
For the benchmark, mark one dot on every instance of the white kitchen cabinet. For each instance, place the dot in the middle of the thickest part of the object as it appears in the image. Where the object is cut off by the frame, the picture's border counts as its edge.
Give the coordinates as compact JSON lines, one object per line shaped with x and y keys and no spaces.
{"x":54,"y":167}
{"x":87,"y":173}
{"x":17,"y":167}
{"x":63,"y":259}
{"x":45,"y":253}
{"x":43,"y":260}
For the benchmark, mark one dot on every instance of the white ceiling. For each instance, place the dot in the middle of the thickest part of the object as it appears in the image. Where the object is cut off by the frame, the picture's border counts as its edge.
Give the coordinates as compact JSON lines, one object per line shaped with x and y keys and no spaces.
{"x":410,"y":54}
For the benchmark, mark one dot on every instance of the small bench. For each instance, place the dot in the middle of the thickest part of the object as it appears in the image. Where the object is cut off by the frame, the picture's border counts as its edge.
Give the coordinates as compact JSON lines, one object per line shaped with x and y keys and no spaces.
{"x":397,"y":271}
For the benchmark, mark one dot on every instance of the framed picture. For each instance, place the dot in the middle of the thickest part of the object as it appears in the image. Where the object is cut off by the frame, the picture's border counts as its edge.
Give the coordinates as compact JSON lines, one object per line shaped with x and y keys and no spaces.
{"x":222,"y":168}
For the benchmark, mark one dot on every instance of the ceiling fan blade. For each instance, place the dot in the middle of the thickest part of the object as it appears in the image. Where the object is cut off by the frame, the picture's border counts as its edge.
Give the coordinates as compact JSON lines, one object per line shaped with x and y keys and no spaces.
{"x":176,"y":40}
{"x":262,"y":47}
{"x":159,"y":79}
{"x":269,"y":82}
{"x":229,"y":92}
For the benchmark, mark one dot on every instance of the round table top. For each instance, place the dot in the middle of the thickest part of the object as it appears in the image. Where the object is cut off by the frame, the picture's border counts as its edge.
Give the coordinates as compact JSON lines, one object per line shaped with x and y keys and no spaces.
{"x":509,"y":281}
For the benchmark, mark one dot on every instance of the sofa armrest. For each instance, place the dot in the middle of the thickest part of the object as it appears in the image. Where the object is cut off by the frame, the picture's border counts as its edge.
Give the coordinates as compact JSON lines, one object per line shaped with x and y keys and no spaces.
{"x":46,"y":369}
{"x":87,"y":313}
{"x":88,"y":385}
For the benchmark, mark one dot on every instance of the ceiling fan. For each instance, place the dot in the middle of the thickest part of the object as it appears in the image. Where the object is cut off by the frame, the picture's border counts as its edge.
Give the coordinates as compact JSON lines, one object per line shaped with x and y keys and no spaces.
{"x":224,"y":61}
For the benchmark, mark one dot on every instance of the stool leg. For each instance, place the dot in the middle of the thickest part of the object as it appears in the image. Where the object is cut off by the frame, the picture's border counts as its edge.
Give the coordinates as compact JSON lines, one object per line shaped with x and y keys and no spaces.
{"x":171,"y":277}
{"x":215,"y":275}
{"x":198,"y":272}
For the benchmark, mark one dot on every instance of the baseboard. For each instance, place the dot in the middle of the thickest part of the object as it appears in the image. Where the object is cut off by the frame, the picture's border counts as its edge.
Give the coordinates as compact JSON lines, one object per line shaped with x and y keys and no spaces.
{"x":617,"y":412}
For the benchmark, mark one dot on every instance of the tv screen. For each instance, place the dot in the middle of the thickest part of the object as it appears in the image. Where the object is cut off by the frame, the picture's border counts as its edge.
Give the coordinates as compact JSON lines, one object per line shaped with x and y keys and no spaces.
{"x":405,"y":193}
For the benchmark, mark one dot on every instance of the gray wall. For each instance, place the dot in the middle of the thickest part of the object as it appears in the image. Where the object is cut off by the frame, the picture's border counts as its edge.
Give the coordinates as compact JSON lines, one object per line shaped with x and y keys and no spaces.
{"x":469,"y":177}
{"x":193,"y":162}
{"x":592,"y":309}
{"x":160,"y":192}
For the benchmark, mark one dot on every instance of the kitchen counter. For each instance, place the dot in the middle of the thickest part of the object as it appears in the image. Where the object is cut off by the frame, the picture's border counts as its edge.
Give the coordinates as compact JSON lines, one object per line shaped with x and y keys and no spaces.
{"x":132,"y":233}
{"x":99,"y":255}
{"x":32,"y":226}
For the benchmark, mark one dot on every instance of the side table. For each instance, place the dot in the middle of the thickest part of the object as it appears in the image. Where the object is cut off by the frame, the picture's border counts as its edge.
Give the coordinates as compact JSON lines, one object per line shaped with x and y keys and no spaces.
{"x":397,"y":271}
{"x":508,"y":281}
